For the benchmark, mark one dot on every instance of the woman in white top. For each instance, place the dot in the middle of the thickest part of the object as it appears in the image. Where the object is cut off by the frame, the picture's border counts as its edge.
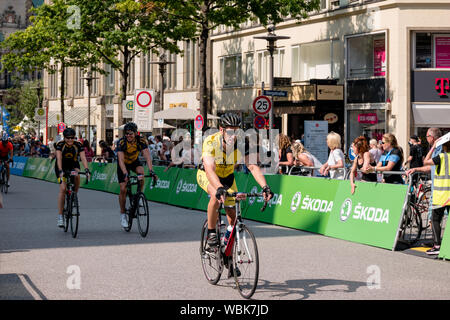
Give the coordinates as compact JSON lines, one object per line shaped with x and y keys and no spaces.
{"x":335,"y":159}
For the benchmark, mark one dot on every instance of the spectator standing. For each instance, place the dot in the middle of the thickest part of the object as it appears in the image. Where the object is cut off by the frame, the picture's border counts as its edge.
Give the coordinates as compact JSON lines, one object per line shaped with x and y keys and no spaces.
{"x":441,"y":191}
{"x":363,"y":162}
{"x":335,"y":158}
{"x":107,"y":154}
{"x":286,"y":157}
{"x":51,"y":146}
{"x":415,"y":159}
{"x":89,"y":153}
{"x":374,"y":150}
{"x":391,"y":160}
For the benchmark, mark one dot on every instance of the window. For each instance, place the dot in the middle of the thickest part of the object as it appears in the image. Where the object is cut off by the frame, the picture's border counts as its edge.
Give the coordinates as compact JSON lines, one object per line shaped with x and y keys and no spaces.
{"x":366,"y":56}
{"x":231,"y":70}
{"x":170,"y":79}
{"x":78,"y":82}
{"x":264,"y":65}
{"x":53,"y":82}
{"x":318,"y":60}
{"x":249,"y":65}
{"x":109,"y":84}
{"x":147,"y":71}
{"x":432,"y":50}
{"x":94,"y":88}
{"x":190,"y":64}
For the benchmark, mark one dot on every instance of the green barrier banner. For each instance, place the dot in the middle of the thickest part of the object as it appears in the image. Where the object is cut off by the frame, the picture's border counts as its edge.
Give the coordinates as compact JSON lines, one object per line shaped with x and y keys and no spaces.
{"x":112,"y":183}
{"x":100,"y":176}
{"x":185,"y":192}
{"x":444,"y":252}
{"x":302,"y":203}
{"x":164,"y":185}
{"x":31,"y":167}
{"x":370,"y":216}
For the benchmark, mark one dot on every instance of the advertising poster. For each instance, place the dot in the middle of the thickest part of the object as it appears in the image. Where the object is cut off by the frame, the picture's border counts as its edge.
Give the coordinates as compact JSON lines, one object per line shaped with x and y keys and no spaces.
{"x":316,"y":139}
{"x":442,"y":51}
{"x":379,"y":57}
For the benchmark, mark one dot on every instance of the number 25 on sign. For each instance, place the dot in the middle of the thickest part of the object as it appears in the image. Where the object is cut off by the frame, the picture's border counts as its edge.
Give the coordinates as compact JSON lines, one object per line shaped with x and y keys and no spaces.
{"x":262,"y":105}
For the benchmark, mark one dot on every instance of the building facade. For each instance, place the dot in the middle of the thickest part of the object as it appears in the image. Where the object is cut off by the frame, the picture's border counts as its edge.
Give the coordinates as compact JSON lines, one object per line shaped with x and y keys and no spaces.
{"x":367,"y":67}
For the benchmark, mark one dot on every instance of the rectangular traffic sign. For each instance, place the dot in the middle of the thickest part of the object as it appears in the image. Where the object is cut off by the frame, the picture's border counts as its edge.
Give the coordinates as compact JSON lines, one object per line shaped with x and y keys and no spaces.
{"x":275,"y":93}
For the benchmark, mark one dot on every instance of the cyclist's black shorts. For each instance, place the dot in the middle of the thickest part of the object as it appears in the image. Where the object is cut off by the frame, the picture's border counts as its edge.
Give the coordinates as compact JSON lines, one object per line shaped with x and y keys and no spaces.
{"x":5,"y":158}
{"x":130,"y":167}
{"x":67,"y":166}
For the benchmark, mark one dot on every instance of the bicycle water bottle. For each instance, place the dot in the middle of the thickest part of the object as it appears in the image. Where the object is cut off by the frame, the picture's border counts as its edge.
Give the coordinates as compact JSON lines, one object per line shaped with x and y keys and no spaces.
{"x":227,"y":235}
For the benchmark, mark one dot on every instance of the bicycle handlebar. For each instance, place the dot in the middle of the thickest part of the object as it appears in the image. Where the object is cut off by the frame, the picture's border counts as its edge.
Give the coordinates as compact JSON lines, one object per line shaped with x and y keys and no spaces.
{"x":135,"y":178}
{"x":249,"y":195}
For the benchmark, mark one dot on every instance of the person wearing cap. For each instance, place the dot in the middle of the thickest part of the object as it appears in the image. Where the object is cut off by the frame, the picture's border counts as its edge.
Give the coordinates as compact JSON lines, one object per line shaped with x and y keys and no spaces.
{"x":67,"y":153}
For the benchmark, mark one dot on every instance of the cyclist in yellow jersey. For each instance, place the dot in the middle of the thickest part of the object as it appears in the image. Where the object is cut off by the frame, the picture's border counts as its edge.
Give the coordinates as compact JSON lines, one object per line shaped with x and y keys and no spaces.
{"x":128,"y":149}
{"x":216,"y":174}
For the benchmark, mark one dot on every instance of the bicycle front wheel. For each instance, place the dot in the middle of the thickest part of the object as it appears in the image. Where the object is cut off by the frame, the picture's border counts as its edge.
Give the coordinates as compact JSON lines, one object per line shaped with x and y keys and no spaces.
{"x":211,"y":258}
{"x":412,"y":224}
{"x":245,"y":262}
{"x":6,"y":182}
{"x":74,"y":214}
{"x":129,"y":212}
{"x":142,"y":214}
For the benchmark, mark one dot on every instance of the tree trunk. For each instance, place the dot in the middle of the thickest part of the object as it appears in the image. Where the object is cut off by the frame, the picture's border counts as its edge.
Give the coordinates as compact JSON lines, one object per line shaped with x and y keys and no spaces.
{"x":203,"y":85}
{"x":124,"y":73}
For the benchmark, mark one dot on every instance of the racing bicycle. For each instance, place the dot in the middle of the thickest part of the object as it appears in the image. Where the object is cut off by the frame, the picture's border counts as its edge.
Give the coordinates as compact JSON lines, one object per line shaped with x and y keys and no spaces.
{"x":4,"y":181}
{"x":136,"y":204}
{"x":71,"y":212}
{"x":239,"y":255}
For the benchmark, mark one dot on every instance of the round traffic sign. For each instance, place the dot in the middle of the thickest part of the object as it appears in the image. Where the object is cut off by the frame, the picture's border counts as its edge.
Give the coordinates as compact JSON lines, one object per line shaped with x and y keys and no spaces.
{"x":61,"y":127}
{"x":262,"y":105}
{"x":259,"y":122}
{"x":144,"y":99}
{"x":198,"y":123}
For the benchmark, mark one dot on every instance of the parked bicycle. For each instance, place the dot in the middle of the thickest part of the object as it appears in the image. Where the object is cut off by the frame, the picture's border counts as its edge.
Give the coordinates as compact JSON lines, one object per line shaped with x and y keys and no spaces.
{"x":136,"y":204}
{"x":71,"y":212}
{"x":415,"y":219}
{"x":239,"y":255}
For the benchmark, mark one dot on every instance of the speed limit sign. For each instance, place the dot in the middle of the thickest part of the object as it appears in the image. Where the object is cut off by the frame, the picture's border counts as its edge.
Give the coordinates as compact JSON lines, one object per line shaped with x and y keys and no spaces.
{"x":262,"y":105}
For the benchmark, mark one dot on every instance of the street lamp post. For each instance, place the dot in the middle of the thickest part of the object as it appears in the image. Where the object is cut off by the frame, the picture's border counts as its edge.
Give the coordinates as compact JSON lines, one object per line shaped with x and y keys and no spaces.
{"x":39,"y":89}
{"x":89,"y":79}
{"x":162,"y":70}
{"x":271,"y":38}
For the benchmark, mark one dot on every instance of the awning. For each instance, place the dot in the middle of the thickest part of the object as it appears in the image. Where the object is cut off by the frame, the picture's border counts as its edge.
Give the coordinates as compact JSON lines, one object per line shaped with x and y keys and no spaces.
{"x":431,"y":115}
{"x":72,"y":116}
{"x":179,"y":113}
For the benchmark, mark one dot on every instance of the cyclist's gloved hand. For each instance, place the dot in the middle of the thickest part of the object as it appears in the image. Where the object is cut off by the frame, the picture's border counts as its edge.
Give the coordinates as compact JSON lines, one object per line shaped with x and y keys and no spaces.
{"x":88,"y":173}
{"x":268,"y":194}
{"x":220,"y":193}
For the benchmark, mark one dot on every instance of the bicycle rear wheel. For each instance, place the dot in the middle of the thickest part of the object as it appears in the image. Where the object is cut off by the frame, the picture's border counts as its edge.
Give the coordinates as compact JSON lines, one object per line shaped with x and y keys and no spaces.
{"x":74,"y":214}
{"x":246,"y":259}
{"x":142,"y":214}
{"x":423,"y":205}
{"x":66,"y":213}
{"x":5,"y":181}
{"x":211,"y":258}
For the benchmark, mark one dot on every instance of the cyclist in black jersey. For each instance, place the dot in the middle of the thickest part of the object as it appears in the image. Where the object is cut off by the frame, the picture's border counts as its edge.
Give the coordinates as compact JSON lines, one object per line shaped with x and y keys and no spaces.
{"x":67,"y":153}
{"x":128,"y":150}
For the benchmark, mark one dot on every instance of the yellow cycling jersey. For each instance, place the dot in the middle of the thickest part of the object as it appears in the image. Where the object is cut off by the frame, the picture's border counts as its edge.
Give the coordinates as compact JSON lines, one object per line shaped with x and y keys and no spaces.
{"x":212,"y":147}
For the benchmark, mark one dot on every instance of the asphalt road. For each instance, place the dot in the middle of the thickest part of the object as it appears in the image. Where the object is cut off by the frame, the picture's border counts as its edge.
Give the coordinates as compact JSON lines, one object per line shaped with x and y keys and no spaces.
{"x":40,"y":261}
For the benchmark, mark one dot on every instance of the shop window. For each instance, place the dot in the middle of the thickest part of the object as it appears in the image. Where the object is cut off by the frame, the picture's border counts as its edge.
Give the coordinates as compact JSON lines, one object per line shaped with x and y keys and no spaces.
{"x":264,"y":65}
{"x":249,"y":66}
{"x":432,"y":50}
{"x":368,"y":123}
{"x":366,"y":56}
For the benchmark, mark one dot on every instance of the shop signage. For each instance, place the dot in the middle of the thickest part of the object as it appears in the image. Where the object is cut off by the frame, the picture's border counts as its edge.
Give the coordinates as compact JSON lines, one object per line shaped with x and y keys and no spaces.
{"x":182,"y":104}
{"x":331,"y":118}
{"x":281,"y":82}
{"x":442,"y":86}
{"x":379,"y":57}
{"x":430,"y":86}
{"x":330,"y":92}
{"x":369,"y":118}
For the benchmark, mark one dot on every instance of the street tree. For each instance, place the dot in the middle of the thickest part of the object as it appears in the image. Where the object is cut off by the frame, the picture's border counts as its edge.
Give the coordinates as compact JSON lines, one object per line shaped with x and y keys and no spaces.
{"x":207,"y":15}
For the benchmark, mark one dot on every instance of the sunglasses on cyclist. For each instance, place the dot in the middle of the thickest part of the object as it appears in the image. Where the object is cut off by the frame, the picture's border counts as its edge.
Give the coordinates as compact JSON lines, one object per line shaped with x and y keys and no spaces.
{"x":70,"y":138}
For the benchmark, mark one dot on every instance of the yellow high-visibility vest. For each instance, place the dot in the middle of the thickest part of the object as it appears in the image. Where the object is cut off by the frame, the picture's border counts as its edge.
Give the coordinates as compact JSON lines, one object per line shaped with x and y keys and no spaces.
{"x":441,"y":187}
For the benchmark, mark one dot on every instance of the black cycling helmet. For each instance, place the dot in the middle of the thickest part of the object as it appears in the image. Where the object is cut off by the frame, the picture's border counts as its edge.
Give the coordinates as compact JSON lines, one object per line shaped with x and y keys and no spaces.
{"x":5,"y":138}
{"x":230,"y":120}
{"x":130,"y":126}
{"x":69,"y":132}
